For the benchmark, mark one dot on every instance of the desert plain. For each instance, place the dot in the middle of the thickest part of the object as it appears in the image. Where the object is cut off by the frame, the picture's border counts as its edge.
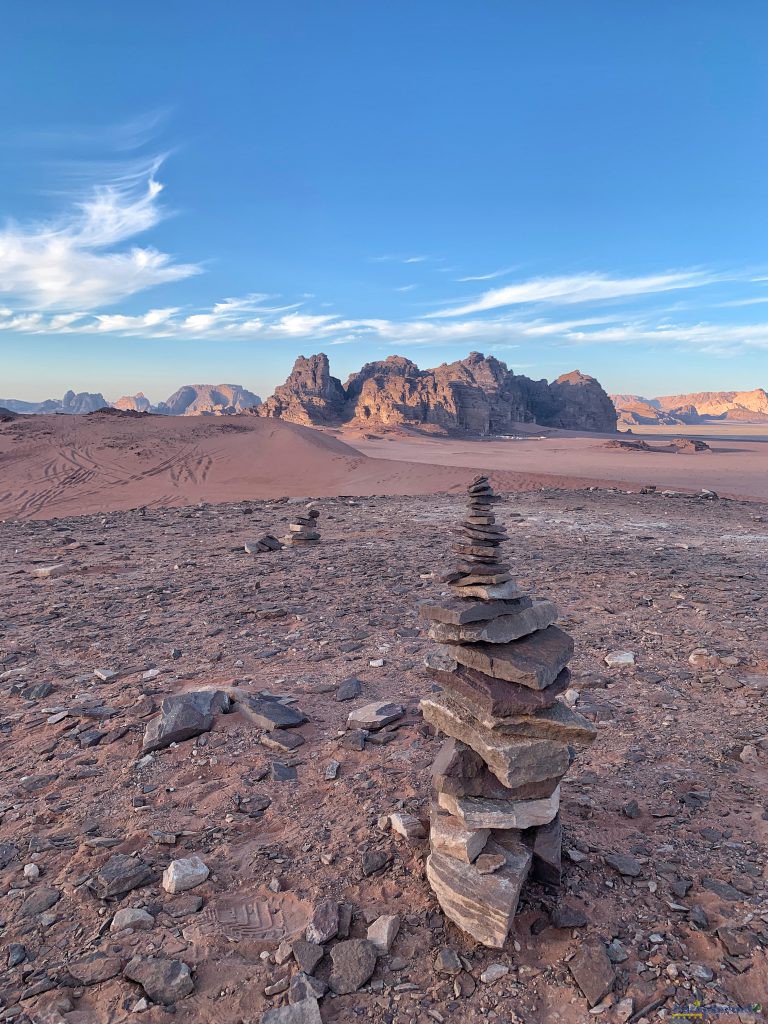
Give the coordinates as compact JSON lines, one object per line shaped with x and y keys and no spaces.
{"x":125,"y":580}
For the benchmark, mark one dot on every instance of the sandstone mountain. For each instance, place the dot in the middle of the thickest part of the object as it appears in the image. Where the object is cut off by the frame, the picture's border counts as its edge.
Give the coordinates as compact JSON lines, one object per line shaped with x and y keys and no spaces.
{"x":700,"y":407}
{"x":208,"y":400}
{"x":71,"y":403}
{"x":134,"y":403}
{"x":477,"y":395}
{"x":190,"y":400}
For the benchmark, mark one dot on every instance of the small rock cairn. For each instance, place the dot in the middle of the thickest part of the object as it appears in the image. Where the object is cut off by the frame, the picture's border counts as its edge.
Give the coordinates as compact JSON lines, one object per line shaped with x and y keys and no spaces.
{"x":501,"y":664}
{"x":303,"y":529}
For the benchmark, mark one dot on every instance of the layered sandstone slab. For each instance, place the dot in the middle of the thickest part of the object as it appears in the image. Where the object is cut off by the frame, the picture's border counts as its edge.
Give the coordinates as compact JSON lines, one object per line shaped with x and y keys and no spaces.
{"x":458,"y":770}
{"x":448,"y":836}
{"x":534,"y":661}
{"x":500,"y":629}
{"x":487,"y":592}
{"x":496,"y":696}
{"x":558,"y":722}
{"x":457,"y":612}
{"x":483,"y":905}
{"x":515,"y":762}
{"x":475,"y":813}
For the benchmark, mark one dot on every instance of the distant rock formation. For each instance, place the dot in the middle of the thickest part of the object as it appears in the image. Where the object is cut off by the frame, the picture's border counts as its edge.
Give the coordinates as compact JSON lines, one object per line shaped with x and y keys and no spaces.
{"x":6,"y":415}
{"x":74,"y":404}
{"x":677,"y":446}
{"x":701,"y":407}
{"x":477,"y":395}
{"x":134,"y":403}
{"x":208,"y":400}
{"x":190,"y":400}
{"x":309,"y":396}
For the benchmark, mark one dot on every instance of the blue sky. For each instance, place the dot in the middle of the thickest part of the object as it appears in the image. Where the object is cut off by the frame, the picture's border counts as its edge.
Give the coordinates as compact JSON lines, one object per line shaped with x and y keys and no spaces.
{"x":200,"y":192}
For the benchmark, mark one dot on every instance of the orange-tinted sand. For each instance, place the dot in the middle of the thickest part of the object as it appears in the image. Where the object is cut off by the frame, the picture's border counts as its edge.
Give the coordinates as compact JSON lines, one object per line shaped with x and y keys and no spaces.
{"x":70,"y":465}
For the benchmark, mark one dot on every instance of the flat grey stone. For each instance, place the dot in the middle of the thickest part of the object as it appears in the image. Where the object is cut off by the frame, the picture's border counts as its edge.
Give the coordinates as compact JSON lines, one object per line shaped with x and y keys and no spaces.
{"x":375,"y":716}
{"x":349,"y":689}
{"x":41,"y":898}
{"x":592,"y":971}
{"x":624,"y":864}
{"x":325,"y":922}
{"x":121,"y":874}
{"x":308,"y":954}
{"x":271,"y":714}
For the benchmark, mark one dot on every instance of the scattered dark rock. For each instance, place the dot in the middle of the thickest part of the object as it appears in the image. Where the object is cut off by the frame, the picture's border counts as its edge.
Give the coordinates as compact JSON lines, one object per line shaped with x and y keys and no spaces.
{"x":624,"y":864}
{"x":324,"y":924}
{"x":182,"y":717}
{"x":349,"y":689}
{"x":592,"y":971}
{"x":354,"y":961}
{"x":375,"y":860}
{"x":164,"y":981}
{"x":120,"y":875}
{"x":40,"y":899}
{"x":568,"y":916}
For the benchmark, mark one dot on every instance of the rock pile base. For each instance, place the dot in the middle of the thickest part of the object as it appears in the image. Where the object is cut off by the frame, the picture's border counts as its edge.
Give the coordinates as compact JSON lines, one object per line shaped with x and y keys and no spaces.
{"x":501,"y":663}
{"x":303,"y":529}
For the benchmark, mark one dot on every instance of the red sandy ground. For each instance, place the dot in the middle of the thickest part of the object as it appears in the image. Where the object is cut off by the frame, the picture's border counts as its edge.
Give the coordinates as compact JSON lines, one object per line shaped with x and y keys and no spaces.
{"x":69,"y":465}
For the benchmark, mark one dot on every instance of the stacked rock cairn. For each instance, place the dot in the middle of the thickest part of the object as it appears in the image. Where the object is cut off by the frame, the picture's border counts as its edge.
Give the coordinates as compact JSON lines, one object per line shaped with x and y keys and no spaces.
{"x":303,"y":529}
{"x":501,"y":663}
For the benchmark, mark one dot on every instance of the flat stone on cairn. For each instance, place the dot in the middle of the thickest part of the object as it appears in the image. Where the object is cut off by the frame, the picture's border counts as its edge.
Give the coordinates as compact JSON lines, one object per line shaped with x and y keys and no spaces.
{"x":501,"y":663}
{"x":302,"y":529}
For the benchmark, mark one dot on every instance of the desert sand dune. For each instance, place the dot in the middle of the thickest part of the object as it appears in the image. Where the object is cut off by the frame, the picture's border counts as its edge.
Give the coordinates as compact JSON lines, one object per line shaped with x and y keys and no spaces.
{"x":72,"y":465}
{"x":733,"y":468}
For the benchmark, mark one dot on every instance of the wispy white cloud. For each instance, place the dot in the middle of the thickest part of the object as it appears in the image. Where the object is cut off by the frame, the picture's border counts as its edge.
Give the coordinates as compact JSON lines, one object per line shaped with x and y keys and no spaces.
{"x":712,"y":338}
{"x":399,"y":259}
{"x":488,"y":277}
{"x":80,"y":261}
{"x":118,"y":322}
{"x":233,"y":319}
{"x":579,"y":288}
{"x":57,"y":277}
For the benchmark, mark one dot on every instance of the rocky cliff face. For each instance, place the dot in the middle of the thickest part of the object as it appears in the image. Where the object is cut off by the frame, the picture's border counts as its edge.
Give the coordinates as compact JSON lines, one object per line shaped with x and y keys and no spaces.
{"x":477,"y":395}
{"x":701,"y":407}
{"x":576,"y":401}
{"x":309,"y":396}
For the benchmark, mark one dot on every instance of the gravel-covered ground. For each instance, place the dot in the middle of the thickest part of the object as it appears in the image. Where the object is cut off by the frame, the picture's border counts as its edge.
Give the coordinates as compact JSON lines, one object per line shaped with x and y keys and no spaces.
{"x":169,"y":601}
